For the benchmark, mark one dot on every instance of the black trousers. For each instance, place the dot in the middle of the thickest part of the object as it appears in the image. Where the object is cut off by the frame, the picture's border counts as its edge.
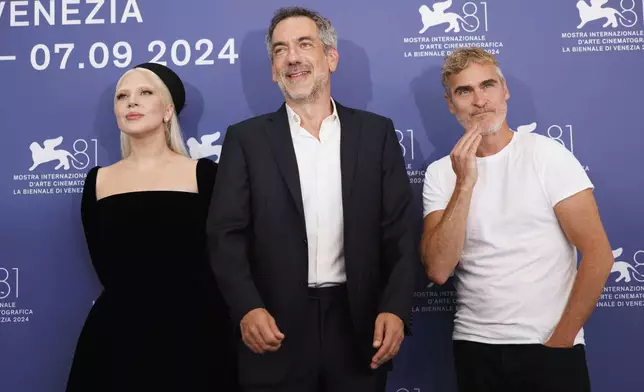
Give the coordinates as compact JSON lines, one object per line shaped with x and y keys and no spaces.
{"x":520,"y":368}
{"x":329,"y":360}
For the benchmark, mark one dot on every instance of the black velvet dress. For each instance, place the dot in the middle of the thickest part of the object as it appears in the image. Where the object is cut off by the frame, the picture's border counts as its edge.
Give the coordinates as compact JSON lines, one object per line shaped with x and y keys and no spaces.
{"x":160,"y":323}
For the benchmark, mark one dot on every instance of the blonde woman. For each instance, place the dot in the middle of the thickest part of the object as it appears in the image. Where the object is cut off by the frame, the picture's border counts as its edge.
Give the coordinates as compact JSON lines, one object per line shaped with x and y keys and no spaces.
{"x":160,"y":323}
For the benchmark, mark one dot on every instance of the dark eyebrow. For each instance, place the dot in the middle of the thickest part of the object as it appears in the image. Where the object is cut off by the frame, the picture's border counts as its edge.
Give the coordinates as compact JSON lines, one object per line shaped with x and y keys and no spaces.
{"x":300,"y":39}
{"x":489,"y":81}
{"x":469,"y":88}
{"x":462,"y":88}
{"x":278,"y":43}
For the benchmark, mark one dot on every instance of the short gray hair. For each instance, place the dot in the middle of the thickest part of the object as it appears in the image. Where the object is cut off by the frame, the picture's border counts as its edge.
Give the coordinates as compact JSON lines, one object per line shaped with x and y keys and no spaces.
{"x":326,"y":31}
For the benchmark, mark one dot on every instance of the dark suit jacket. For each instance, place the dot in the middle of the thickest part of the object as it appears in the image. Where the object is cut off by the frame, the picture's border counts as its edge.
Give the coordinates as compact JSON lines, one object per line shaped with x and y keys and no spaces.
{"x":258,"y":241}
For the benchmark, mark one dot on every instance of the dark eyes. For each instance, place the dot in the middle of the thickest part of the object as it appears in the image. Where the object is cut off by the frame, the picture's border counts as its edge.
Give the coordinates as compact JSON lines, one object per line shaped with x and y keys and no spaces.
{"x":281,"y":49}
{"x":464,"y":91}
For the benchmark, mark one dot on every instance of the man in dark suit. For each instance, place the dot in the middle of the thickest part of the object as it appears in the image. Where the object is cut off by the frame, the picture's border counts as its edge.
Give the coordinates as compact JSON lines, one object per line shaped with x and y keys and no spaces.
{"x":310,"y":230}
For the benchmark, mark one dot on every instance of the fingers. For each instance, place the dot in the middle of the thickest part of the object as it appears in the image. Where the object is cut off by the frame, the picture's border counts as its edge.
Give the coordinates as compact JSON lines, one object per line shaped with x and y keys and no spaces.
{"x":268,"y":340}
{"x":384,"y":350}
{"x":467,"y":151}
{"x":474,"y":145}
{"x":393,"y":336}
{"x":462,"y":158}
{"x":260,"y":333}
{"x":393,"y":350}
{"x":466,"y":139}
{"x":400,"y":336}
{"x":378,"y":332}
{"x":388,"y":350}
{"x":276,"y":331}
{"x":250,"y":340}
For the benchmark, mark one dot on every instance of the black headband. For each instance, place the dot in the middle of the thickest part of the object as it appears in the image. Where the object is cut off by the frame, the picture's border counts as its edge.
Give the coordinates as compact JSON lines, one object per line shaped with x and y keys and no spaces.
{"x":172,"y":82}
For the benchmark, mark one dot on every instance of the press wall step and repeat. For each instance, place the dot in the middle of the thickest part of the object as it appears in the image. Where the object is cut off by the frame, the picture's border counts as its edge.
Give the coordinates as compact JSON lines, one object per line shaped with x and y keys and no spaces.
{"x":574,"y":69}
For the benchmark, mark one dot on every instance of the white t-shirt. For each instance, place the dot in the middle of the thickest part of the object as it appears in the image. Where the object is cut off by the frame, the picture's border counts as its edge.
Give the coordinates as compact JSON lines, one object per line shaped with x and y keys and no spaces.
{"x":517,"y":267}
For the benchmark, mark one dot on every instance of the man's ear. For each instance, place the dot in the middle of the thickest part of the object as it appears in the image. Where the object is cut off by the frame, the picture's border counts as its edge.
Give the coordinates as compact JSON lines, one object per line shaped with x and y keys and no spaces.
{"x":333,"y":57}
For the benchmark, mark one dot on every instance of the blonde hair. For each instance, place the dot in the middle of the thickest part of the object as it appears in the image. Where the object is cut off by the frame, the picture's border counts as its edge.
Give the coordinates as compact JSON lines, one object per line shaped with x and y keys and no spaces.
{"x":461,"y":58}
{"x":173,"y":134}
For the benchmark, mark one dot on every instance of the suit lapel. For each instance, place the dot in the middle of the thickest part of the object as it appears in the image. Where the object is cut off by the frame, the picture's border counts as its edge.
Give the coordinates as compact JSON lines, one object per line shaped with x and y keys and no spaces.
{"x":278,"y":133}
{"x":349,"y":141}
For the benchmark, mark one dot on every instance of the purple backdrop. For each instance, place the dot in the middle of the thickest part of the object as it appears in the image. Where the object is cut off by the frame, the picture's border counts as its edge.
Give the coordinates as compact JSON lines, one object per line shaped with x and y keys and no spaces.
{"x":574,"y":71}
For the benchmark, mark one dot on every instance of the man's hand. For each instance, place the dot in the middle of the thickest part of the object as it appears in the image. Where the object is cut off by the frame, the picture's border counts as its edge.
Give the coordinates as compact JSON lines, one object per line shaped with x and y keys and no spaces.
{"x":556,"y":342}
{"x":463,"y":157}
{"x":387,"y":337}
{"x":259,"y":331}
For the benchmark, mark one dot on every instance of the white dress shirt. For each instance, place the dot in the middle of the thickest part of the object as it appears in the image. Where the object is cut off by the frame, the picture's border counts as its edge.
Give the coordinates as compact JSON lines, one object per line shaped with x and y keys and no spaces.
{"x":318,"y":164}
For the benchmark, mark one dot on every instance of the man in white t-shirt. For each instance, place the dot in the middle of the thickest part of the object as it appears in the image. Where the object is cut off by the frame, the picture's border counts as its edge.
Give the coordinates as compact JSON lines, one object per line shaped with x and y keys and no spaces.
{"x":505,"y":213}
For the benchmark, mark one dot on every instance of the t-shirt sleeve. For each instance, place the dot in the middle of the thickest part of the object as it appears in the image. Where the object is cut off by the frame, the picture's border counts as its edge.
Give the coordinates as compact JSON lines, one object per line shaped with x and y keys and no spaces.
{"x":562,"y":174}
{"x":434,"y":196}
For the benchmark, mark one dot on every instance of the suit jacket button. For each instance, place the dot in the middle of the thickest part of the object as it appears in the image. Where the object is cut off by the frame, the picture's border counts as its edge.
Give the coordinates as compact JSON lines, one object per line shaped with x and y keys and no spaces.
{"x":305,"y":242}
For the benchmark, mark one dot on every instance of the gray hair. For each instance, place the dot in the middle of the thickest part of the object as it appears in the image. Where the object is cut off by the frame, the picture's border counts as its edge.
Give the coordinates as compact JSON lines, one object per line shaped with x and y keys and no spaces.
{"x":326,"y":31}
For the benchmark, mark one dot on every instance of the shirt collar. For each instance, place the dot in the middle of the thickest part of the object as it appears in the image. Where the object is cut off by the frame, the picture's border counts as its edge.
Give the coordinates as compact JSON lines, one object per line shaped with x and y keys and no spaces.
{"x":294,"y":119}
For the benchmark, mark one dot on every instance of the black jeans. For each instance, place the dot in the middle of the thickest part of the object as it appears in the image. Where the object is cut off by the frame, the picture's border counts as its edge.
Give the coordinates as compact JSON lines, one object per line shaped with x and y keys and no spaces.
{"x":520,"y":368}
